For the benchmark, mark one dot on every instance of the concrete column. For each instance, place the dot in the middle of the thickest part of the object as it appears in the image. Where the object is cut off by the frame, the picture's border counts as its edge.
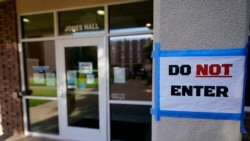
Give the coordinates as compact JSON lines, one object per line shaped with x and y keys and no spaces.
{"x":199,"y":24}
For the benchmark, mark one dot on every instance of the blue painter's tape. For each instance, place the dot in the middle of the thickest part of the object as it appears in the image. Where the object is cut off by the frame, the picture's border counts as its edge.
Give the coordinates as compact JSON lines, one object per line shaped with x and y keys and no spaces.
{"x":193,"y":53}
{"x":153,"y":54}
{"x":152,"y":111}
{"x":157,"y":82}
{"x":202,"y":115}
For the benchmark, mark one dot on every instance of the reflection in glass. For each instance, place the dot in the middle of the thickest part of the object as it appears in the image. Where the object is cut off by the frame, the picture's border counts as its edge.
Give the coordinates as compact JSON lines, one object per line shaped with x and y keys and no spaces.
{"x":40,"y":68}
{"x":90,"y":20}
{"x":34,"y":26}
{"x":131,"y":67}
{"x":132,"y":17}
{"x":43,"y":116}
{"x":82,"y":86}
{"x":130,"y":122}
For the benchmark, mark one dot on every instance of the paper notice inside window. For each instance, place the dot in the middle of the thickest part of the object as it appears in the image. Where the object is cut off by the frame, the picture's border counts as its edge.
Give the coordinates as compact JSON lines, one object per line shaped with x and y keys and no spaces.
{"x":119,"y":75}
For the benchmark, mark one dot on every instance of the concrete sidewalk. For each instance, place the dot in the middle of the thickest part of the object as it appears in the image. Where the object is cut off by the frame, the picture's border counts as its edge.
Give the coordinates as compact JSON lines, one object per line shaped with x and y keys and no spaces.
{"x":26,"y":138}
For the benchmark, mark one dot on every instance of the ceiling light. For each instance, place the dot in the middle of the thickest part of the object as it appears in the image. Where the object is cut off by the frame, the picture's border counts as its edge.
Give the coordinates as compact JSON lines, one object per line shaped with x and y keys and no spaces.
{"x":100,"y":12}
{"x":26,"y":20}
{"x":148,"y":25}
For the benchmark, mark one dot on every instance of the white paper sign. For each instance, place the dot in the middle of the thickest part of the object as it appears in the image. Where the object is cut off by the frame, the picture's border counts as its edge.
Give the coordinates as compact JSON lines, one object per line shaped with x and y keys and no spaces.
{"x":71,"y":79}
{"x":85,"y":67}
{"x":38,"y":78}
{"x":202,"y":84}
{"x":119,"y":75}
{"x":90,"y":78}
{"x":50,"y":79}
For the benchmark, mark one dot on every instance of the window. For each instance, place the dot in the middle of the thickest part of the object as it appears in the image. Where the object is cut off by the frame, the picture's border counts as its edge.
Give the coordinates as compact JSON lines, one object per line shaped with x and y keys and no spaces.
{"x":81,"y":21}
{"x":132,"y":17}
{"x":37,"y":26}
{"x":131,"y":67}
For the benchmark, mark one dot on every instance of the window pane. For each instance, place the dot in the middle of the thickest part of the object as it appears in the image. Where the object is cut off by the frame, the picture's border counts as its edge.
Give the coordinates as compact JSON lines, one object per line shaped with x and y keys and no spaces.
{"x":131,"y":17}
{"x":40,"y":70}
{"x":81,"y":21}
{"x":131,"y":67}
{"x":43,"y":116}
{"x":82,"y":86}
{"x":130,"y":122}
{"x":34,"y":26}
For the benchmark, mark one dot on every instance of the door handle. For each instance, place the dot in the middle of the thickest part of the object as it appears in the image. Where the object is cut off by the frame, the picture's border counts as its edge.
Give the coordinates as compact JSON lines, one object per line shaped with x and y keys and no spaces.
{"x":27,"y":92}
{"x":62,"y":95}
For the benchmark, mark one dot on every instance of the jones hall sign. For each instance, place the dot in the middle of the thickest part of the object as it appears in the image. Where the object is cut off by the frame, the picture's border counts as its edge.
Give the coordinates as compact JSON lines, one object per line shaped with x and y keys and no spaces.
{"x":199,"y":83}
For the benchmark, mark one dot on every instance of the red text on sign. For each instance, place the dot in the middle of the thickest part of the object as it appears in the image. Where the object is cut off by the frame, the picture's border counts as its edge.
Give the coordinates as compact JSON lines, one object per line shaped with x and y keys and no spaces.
{"x":213,"y":70}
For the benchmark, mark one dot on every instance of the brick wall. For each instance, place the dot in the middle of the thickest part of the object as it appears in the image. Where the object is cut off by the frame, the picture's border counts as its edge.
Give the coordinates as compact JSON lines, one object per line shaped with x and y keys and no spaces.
{"x":1,"y":128}
{"x":11,"y":108}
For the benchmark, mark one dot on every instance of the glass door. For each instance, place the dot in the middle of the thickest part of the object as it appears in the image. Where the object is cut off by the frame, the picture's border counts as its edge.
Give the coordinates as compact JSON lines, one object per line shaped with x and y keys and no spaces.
{"x":82,"y":89}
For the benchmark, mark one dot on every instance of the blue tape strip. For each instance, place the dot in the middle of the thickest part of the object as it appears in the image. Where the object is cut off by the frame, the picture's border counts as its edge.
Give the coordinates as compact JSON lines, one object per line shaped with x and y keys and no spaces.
{"x":202,"y":115}
{"x":157,"y":81}
{"x":193,"y":53}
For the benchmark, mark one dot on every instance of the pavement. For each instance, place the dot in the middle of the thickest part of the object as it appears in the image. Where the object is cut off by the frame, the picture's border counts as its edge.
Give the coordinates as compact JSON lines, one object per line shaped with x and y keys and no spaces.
{"x":26,"y":138}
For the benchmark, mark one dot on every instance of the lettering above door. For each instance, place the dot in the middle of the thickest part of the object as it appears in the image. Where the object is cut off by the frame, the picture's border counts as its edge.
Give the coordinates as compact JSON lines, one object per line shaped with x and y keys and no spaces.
{"x":81,"y":27}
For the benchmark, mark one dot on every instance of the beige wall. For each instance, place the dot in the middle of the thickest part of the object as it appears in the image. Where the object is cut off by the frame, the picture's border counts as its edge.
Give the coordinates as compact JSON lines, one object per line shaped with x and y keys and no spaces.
{"x":30,"y":6}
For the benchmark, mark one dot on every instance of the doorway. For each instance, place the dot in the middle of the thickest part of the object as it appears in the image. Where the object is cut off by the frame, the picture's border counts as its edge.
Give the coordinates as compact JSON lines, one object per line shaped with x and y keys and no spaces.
{"x":65,"y":89}
{"x":82,"y":89}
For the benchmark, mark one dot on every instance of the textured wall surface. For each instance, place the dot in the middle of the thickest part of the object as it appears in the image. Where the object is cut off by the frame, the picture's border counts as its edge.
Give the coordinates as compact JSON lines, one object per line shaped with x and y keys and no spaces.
{"x":11,"y":108}
{"x":199,"y":24}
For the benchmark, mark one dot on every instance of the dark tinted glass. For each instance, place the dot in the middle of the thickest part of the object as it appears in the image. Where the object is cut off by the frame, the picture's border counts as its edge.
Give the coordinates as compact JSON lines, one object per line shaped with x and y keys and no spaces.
{"x":131,"y":17}
{"x":81,"y":21}
{"x":34,"y":26}
{"x":130,"y":122}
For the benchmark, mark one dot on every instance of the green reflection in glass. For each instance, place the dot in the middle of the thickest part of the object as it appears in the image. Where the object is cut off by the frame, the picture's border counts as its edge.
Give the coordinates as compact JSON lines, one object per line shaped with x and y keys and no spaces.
{"x":44,"y":91}
{"x":40,"y":68}
{"x":33,"y":103}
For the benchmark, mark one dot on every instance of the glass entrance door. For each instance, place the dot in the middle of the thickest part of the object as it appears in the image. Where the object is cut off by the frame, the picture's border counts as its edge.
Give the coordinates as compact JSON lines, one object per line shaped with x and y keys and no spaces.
{"x":81,"y":89}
